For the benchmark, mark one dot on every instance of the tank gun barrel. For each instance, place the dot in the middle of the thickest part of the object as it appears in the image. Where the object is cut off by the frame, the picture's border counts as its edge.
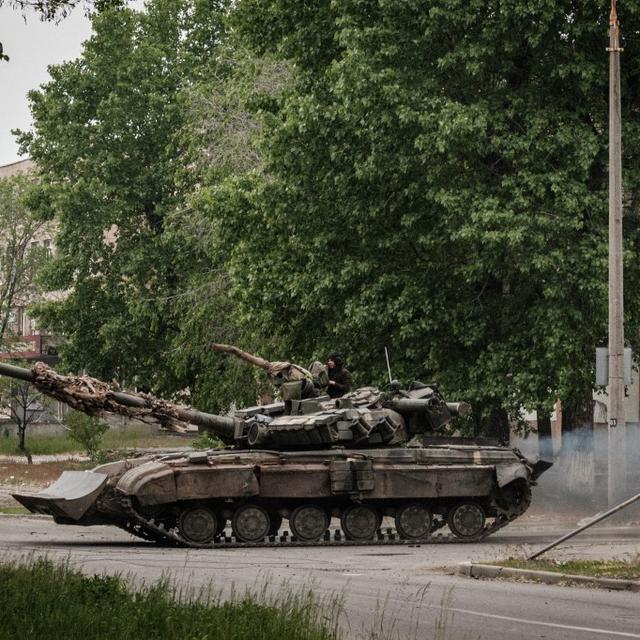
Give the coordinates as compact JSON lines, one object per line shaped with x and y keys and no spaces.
{"x":19,"y":373}
{"x":224,"y":427}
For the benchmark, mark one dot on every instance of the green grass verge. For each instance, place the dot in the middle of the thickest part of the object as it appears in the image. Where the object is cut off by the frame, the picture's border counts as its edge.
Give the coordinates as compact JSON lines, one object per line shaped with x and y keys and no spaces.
{"x":14,"y":511}
{"x":114,"y":439}
{"x":625,"y":569}
{"x":38,"y":445}
{"x":41,"y":599}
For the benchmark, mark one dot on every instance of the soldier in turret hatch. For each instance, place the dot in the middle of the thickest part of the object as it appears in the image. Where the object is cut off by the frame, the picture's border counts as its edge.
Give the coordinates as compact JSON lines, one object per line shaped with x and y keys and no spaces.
{"x":339,"y":375}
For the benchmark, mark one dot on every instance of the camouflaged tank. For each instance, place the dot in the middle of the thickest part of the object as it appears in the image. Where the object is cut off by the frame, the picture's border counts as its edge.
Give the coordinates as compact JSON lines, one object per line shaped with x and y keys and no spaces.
{"x":366,"y":456}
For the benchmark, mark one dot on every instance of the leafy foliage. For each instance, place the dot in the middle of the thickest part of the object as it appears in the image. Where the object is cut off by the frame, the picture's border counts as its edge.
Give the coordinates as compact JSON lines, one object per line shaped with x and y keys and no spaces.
{"x":296,"y":177}
{"x":219,"y":138}
{"x":103,"y":140}
{"x":25,"y":404}
{"x":87,"y":431}
{"x":436,"y":182}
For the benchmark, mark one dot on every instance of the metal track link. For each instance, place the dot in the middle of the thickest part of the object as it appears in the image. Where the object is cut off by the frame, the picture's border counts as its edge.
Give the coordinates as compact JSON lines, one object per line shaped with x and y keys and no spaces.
{"x":148,"y":530}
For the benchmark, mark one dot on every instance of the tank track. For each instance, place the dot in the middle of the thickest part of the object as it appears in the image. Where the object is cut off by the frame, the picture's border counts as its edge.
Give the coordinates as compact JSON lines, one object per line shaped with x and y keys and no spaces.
{"x":147,"y":529}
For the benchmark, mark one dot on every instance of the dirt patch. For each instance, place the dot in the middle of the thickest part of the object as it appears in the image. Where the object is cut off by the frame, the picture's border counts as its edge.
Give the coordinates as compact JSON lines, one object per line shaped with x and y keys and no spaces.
{"x":40,"y":473}
{"x":18,"y":476}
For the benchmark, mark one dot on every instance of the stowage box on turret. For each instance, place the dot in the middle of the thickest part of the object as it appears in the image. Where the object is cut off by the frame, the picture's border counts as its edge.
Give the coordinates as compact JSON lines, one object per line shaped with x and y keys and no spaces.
{"x":368,"y":455}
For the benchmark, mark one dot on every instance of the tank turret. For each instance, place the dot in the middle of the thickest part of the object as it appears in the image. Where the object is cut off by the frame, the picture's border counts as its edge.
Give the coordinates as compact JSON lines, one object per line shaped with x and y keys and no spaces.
{"x":307,"y":418}
{"x":366,"y":417}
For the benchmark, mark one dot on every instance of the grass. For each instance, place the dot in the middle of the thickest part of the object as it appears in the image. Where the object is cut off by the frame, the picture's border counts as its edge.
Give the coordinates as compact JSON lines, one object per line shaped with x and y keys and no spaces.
{"x":14,"y":511}
{"x":625,"y":569}
{"x":39,"y":445}
{"x":41,"y":599}
{"x":113,"y":439}
{"x":40,"y":474}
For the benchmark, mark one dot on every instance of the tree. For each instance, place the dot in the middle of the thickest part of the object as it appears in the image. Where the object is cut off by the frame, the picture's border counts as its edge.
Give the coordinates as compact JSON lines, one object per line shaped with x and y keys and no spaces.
{"x":220,"y":141}
{"x":428,"y":176}
{"x":436,"y":182}
{"x":104,"y":142}
{"x":25,"y":406}
{"x":159,"y":113}
{"x":87,"y":431}
{"x":20,"y":260}
{"x":59,"y":9}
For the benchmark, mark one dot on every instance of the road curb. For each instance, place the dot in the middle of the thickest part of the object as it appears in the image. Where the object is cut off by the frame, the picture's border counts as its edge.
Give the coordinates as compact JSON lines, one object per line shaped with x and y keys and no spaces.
{"x":476,"y":570}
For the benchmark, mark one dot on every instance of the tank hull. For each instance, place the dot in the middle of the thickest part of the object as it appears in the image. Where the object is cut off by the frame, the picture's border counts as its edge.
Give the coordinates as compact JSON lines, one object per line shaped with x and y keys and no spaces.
{"x":195,"y":498}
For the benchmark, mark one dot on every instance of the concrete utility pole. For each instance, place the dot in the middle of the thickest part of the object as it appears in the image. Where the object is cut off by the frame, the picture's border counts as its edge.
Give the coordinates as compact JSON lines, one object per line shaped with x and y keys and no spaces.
{"x":617,"y":449}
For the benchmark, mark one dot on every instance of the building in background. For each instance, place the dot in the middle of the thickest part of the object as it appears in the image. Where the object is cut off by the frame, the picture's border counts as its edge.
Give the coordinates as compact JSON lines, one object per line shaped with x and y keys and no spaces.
{"x":28,"y":342}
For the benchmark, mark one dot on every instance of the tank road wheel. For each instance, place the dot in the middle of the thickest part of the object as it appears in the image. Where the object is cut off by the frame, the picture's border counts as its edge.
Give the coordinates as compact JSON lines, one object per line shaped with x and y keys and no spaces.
{"x":466,"y":520}
{"x":198,"y":524}
{"x":413,"y":521}
{"x":308,"y":522}
{"x":359,"y":522}
{"x":251,"y":523}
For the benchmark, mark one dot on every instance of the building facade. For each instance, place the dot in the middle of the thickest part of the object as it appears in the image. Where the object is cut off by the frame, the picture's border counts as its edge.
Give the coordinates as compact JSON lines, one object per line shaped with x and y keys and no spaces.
{"x":25,"y":340}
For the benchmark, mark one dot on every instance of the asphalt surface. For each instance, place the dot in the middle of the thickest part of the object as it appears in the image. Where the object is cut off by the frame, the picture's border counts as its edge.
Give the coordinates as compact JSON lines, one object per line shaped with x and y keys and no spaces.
{"x":407,"y":592}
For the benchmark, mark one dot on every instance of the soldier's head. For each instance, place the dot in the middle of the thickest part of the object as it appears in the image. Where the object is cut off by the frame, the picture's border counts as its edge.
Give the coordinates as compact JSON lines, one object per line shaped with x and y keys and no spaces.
{"x":335,"y":360}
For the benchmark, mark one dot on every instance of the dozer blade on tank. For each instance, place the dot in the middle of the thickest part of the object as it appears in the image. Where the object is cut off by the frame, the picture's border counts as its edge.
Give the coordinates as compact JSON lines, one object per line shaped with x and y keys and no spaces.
{"x":360,"y":458}
{"x":69,"y":497}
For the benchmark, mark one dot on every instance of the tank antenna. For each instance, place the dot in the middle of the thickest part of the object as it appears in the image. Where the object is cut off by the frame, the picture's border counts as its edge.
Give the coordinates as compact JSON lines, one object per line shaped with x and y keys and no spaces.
{"x":386,"y":355}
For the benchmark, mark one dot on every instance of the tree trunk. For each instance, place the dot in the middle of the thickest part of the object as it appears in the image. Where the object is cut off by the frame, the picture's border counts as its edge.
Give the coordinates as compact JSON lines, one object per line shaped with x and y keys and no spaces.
{"x":577,"y":422}
{"x":478,"y":426}
{"x":499,"y":424}
{"x":22,"y":428}
{"x":545,"y":441}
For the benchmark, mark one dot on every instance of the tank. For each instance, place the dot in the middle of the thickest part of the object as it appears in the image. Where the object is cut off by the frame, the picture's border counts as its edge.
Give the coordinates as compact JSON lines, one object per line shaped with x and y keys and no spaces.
{"x":366,"y":459}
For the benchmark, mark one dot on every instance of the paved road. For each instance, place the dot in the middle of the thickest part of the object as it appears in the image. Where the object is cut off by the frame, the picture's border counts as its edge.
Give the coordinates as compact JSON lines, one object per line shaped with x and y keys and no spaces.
{"x":414,"y":586}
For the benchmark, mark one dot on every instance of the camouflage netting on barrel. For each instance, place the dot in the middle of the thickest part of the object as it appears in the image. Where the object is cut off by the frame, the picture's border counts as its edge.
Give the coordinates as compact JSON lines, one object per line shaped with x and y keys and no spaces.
{"x":94,"y":397}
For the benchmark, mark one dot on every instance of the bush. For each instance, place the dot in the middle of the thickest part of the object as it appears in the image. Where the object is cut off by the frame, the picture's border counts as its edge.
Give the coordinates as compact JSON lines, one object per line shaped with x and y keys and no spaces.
{"x":206,"y":441}
{"x":87,"y":431}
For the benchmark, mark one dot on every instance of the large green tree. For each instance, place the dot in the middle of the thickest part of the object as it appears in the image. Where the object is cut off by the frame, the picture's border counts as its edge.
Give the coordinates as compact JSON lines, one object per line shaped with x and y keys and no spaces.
{"x":104,"y":140}
{"x":436,"y":182}
{"x":428,"y":176}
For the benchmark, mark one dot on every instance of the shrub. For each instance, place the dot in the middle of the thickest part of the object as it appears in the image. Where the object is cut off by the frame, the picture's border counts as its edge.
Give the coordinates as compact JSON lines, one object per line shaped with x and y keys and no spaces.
{"x":206,"y":441}
{"x":87,"y":431}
